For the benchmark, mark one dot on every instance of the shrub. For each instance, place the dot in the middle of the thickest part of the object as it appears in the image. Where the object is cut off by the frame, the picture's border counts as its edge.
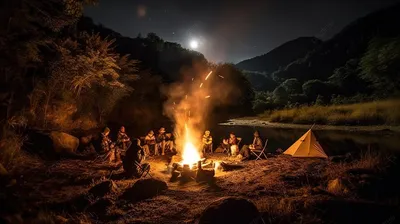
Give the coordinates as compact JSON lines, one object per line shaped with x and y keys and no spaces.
{"x":10,"y":148}
{"x":372,"y":113}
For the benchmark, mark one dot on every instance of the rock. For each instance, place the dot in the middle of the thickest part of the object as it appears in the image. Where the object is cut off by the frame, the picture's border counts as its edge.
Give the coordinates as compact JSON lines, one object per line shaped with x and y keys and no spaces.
{"x":103,"y":188}
{"x":337,"y":186}
{"x":229,"y":210}
{"x":144,"y":188}
{"x":5,"y":178}
{"x":3,"y":171}
{"x":78,"y":203}
{"x":63,"y":142}
{"x":60,"y":219}
{"x":100,"y":206}
{"x":85,"y":140}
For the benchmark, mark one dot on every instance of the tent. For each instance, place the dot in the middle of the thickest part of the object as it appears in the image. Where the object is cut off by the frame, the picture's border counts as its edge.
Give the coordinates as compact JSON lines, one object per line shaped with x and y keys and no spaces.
{"x":306,"y":146}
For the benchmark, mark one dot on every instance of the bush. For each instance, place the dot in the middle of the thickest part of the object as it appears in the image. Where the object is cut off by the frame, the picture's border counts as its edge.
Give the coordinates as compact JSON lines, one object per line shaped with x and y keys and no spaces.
{"x":10,"y":148}
{"x":372,"y":113}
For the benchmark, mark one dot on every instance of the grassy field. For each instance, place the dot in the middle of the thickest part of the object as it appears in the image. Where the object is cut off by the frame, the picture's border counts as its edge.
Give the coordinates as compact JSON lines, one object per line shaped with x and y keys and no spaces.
{"x":372,"y":113}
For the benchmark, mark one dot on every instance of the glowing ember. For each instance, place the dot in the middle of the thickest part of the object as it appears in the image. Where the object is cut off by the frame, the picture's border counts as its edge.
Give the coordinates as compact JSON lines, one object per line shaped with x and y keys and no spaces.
{"x":221,"y":76}
{"x":201,"y":84}
{"x":208,"y":96}
{"x":190,"y":155}
{"x":208,"y":75}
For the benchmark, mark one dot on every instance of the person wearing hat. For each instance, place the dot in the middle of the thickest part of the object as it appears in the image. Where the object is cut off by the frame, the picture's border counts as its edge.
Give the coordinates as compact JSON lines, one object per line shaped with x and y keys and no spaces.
{"x":256,"y":145}
{"x":150,"y":143}
{"x":233,"y":142}
{"x":161,"y":137}
{"x":123,"y":141}
{"x":108,"y":146}
{"x":207,"y":141}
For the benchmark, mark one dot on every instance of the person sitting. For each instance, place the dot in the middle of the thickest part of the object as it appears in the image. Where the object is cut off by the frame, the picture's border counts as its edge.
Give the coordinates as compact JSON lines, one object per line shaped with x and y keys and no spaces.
{"x":161,"y":140}
{"x":123,"y":141}
{"x":150,"y":143}
{"x":132,"y":161}
{"x":233,"y":144}
{"x":169,"y":142}
{"x":207,"y":141}
{"x":108,"y":147}
{"x":256,"y":145}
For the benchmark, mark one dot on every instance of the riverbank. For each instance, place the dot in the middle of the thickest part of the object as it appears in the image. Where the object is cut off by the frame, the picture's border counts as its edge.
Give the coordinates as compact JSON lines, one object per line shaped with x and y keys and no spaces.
{"x":376,"y":113}
{"x":257,"y":122}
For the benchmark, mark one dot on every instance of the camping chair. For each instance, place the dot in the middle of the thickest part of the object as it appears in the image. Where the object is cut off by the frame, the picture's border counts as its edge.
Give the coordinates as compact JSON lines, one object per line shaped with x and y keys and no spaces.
{"x":259,"y":153}
{"x":145,"y":172}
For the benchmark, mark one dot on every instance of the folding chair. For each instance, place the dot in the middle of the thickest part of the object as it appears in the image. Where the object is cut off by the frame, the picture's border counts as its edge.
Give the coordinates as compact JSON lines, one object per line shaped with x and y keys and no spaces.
{"x":145,"y":172}
{"x":259,"y":153}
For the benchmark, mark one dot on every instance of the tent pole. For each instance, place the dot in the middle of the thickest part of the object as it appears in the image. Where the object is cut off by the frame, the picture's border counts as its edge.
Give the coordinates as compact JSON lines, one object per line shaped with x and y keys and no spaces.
{"x":312,"y":126}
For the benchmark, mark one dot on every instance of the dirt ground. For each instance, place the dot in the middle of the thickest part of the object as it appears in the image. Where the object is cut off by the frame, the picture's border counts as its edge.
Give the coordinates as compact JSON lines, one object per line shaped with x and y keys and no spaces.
{"x":284,"y":189}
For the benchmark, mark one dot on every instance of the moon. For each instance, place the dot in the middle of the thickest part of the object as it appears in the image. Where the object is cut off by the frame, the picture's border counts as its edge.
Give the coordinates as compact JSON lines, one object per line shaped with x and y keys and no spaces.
{"x":194,"y":44}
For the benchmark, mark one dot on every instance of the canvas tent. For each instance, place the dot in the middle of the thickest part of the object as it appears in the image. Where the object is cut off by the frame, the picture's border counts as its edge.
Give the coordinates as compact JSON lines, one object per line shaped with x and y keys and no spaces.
{"x":306,"y":146}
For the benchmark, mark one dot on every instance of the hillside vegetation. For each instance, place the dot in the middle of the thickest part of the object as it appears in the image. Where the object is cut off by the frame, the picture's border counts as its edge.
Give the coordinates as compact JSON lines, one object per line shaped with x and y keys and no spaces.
{"x":372,"y":113}
{"x":359,"y":64}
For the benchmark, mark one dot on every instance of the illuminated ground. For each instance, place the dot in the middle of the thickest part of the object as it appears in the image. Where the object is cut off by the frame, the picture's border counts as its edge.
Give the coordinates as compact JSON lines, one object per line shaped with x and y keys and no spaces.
{"x":283,"y":188}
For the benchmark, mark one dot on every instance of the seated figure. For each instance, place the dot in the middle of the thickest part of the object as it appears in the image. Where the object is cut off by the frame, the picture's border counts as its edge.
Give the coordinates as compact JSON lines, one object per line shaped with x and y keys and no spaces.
{"x":108,"y":147}
{"x":256,"y":145}
{"x":150,"y":144}
{"x":132,"y":161}
{"x":123,"y":141}
{"x":164,"y":141}
{"x":233,"y":142}
{"x":207,"y":142}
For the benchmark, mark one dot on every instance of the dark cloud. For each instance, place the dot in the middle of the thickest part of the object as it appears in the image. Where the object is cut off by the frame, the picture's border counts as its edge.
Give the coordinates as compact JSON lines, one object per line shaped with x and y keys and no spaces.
{"x":232,"y":30}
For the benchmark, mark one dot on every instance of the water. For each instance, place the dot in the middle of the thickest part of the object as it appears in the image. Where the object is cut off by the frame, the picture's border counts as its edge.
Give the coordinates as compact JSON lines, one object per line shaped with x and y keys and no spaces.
{"x":334,"y":142}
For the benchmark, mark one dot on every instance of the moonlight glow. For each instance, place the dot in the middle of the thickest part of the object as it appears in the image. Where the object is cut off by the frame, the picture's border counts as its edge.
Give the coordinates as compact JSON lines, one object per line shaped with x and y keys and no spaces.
{"x":194,"y":44}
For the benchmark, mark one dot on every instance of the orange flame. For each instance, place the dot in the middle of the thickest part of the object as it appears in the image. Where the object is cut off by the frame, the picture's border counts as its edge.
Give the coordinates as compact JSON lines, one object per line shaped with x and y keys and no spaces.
{"x":190,"y":155}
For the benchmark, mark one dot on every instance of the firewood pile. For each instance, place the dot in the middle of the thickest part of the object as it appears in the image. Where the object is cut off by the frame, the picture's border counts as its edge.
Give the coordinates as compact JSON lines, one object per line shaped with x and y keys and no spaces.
{"x":202,"y":171}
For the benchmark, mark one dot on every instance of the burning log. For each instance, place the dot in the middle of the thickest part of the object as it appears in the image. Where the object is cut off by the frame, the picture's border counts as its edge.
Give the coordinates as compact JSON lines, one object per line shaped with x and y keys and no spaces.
{"x":204,"y":175}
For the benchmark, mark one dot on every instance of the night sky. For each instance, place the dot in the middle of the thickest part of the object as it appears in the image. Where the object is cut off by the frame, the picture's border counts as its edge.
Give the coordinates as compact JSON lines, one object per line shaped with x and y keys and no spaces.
{"x":231,"y":30}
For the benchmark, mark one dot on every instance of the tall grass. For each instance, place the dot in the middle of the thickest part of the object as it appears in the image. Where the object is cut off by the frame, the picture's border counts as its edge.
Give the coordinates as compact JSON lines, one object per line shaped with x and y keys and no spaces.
{"x":10,"y":149}
{"x":372,"y":113}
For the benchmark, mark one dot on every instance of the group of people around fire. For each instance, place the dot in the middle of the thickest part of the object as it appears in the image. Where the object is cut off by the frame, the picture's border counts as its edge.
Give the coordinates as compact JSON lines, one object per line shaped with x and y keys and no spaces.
{"x":158,"y":144}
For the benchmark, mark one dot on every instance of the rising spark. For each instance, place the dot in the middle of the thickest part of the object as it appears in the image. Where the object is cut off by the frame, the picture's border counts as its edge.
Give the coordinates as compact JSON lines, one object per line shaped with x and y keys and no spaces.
{"x":221,"y":76}
{"x":192,"y":79}
{"x":201,"y":84}
{"x":208,"y":75}
{"x":207,"y":96}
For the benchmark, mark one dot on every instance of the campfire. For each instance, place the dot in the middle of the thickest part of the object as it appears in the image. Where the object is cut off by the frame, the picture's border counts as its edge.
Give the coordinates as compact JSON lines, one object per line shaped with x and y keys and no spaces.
{"x":189,"y":163}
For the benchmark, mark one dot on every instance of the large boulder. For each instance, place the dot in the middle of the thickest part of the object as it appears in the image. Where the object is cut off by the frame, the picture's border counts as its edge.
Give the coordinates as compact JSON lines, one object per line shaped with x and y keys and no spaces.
{"x":50,"y":144}
{"x":3,"y":171}
{"x":4,"y":178}
{"x":144,"y":188}
{"x":338,"y":186}
{"x":103,"y":188}
{"x":229,"y":210}
{"x":63,"y":142}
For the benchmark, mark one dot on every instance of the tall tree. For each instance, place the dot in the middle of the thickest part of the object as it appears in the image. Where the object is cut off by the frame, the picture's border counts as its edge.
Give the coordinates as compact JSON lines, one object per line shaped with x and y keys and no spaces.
{"x":381,"y":64}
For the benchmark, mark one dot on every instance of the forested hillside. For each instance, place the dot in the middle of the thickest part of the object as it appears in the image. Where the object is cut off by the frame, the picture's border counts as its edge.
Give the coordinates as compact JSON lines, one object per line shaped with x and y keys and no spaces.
{"x":359,"y":63}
